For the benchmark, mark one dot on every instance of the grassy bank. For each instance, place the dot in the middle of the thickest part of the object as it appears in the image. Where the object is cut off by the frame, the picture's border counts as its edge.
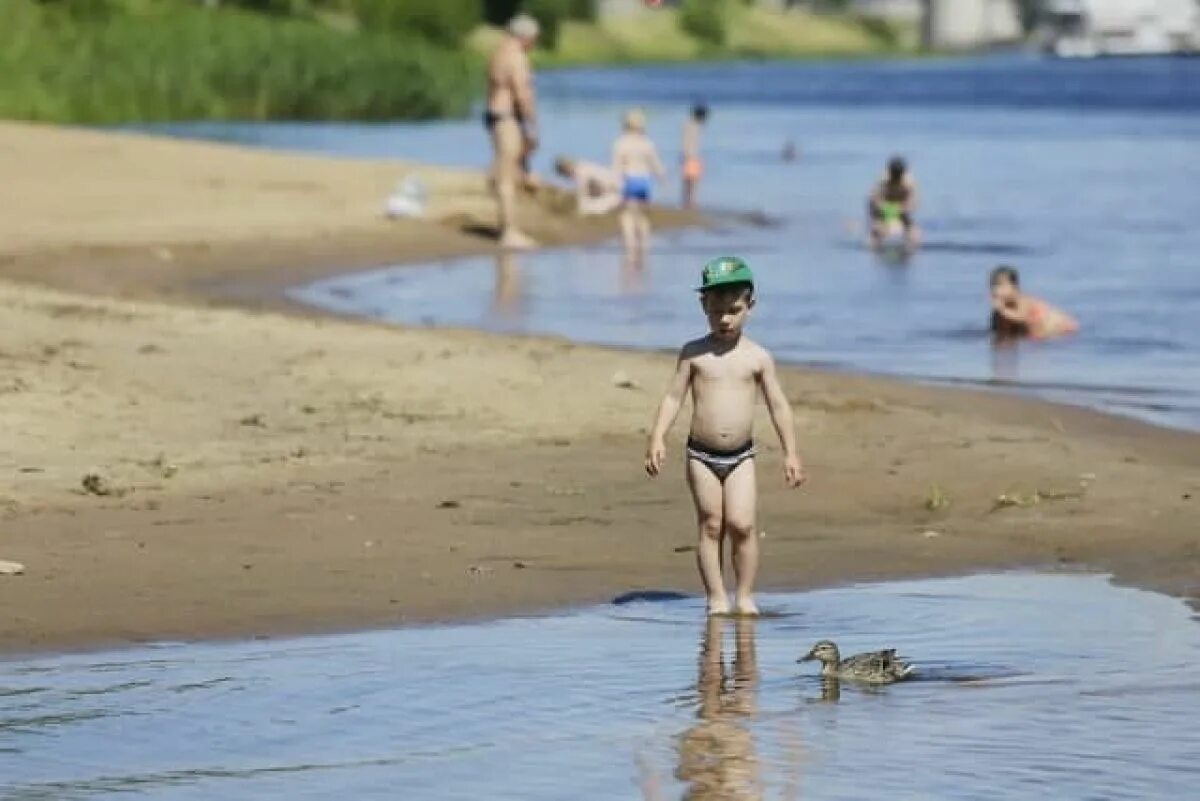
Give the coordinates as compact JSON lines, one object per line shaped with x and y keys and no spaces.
{"x":657,"y":36}
{"x":159,"y":60}
{"x":174,"y":60}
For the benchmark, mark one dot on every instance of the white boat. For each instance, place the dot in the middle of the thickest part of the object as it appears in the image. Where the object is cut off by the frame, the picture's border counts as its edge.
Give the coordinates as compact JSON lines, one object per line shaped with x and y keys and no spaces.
{"x":1090,"y":28}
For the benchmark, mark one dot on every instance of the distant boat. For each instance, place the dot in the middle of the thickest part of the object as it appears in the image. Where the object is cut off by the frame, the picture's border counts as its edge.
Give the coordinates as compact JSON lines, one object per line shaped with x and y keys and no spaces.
{"x":1091,"y":28}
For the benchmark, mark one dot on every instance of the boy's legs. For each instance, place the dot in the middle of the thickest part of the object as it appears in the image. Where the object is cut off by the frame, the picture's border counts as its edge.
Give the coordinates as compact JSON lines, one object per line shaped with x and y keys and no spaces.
{"x":643,"y":229}
{"x":707,"y":495}
{"x":629,"y":228}
{"x":740,"y":500}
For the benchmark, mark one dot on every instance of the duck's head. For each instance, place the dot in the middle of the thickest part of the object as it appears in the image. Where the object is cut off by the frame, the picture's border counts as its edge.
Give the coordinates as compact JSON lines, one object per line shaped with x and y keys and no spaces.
{"x":824,"y":651}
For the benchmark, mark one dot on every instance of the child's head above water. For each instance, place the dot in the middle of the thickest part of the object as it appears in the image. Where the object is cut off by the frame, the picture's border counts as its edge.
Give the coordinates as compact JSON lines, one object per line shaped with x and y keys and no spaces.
{"x":699,"y":112}
{"x":896,"y":168}
{"x":635,"y":121}
{"x":726,"y":295}
{"x":1005,"y":283}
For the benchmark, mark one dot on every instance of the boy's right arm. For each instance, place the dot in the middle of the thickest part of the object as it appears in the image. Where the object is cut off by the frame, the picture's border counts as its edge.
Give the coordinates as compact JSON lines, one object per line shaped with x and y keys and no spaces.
{"x":668,"y":410}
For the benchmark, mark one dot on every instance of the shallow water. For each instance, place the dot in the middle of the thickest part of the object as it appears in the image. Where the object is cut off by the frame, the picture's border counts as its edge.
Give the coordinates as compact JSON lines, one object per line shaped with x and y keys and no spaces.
{"x":1086,"y":176}
{"x":1033,"y":686}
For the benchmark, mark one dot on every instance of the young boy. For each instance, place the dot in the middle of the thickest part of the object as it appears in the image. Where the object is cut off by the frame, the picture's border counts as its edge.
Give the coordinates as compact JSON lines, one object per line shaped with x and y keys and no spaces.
{"x":724,"y":372}
{"x":693,"y":165}
{"x":636,"y":161}
{"x":1015,"y":314}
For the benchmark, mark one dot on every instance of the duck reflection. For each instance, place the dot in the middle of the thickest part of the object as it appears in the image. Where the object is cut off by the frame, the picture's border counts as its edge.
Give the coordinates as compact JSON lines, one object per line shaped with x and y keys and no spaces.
{"x":717,"y":756}
{"x":831,"y":690}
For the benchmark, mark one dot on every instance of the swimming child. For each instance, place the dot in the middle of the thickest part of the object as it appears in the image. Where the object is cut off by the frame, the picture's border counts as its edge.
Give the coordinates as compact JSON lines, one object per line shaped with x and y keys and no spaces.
{"x":893,"y":200}
{"x":1015,"y":314}
{"x":693,"y":165}
{"x":724,"y":371}
{"x":636,"y":161}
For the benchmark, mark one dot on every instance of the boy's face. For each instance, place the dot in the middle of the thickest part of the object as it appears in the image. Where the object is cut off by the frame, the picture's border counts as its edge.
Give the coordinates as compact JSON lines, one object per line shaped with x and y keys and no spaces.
{"x":727,"y":310}
{"x":1005,"y":292}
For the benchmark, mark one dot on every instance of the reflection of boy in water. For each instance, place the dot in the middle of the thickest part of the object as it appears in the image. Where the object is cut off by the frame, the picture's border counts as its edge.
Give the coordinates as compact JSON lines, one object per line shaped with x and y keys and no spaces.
{"x":718,"y":760}
{"x":717,"y":757}
{"x":1015,"y":314}
{"x":894,"y":198}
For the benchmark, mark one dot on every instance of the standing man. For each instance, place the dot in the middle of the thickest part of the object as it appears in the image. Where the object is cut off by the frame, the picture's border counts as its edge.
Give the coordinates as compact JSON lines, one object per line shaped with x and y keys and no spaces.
{"x":511,"y":120}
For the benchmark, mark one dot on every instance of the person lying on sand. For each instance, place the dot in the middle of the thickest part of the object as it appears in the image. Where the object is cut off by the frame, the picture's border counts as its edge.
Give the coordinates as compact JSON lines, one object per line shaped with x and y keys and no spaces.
{"x":1015,"y":314}
{"x":725,"y":372}
{"x":597,"y":188}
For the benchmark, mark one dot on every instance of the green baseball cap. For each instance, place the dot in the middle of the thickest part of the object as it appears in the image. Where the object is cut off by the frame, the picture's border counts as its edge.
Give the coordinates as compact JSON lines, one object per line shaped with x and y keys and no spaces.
{"x":724,"y":270}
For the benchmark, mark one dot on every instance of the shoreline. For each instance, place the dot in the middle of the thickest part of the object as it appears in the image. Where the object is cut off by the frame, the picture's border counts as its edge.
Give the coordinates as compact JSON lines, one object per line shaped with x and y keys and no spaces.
{"x":272,"y":470}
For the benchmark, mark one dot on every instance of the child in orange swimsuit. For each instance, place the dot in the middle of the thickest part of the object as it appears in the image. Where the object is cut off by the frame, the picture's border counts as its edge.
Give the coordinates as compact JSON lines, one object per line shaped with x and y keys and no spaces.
{"x":693,"y":166}
{"x":1015,"y":314}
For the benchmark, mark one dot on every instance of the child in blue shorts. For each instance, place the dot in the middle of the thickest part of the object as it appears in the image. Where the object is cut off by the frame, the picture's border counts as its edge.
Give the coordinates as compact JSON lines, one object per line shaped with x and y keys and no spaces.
{"x":636,"y":161}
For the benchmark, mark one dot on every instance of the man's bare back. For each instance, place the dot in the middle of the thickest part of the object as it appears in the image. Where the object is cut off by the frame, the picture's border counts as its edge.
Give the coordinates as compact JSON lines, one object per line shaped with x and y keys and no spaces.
{"x":724,"y":381}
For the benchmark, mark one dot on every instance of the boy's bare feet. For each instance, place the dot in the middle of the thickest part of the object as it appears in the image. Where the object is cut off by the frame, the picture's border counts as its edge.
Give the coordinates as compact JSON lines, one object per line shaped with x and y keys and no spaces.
{"x":746,"y":607}
{"x":718,"y":606}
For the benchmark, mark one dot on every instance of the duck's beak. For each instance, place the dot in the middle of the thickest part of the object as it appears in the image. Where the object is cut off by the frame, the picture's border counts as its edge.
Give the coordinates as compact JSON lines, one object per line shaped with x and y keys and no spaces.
{"x":810,"y":656}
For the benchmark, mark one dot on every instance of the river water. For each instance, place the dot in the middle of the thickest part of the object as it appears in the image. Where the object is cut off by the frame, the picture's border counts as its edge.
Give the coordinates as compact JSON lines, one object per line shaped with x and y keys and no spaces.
{"x":1085,"y":176}
{"x":1030,"y":686}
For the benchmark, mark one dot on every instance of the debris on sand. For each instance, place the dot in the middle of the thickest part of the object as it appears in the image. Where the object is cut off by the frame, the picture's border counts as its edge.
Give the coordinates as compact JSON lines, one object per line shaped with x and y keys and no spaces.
{"x":95,"y":484}
{"x":622,"y":380}
{"x":11,"y":568}
{"x":160,"y":465}
{"x":1006,"y":500}
{"x":256,"y":420}
{"x":936,"y":499}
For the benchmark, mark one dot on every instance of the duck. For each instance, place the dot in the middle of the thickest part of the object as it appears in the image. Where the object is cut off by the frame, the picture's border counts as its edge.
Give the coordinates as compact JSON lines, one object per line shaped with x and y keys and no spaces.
{"x":872,"y":667}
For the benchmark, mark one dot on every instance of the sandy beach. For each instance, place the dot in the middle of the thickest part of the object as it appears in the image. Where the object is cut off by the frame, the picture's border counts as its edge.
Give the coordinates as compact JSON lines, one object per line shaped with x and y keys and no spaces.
{"x":187,"y":456}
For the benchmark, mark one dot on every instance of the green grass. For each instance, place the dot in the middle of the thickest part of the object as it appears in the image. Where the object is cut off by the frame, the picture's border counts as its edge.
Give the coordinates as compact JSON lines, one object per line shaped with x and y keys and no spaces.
{"x":656,"y":36}
{"x":175,"y":61}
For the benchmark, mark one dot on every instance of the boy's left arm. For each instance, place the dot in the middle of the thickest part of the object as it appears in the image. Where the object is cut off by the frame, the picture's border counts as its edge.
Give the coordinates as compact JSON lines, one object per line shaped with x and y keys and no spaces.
{"x":785,"y":424}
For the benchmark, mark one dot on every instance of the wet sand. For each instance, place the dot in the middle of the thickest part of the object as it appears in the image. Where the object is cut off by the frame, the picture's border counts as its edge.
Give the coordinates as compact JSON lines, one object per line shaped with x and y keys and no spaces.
{"x":263,"y":470}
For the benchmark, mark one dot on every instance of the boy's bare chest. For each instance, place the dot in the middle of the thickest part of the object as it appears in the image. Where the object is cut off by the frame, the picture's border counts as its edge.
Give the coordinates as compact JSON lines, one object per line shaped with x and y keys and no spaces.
{"x":723,"y":370}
